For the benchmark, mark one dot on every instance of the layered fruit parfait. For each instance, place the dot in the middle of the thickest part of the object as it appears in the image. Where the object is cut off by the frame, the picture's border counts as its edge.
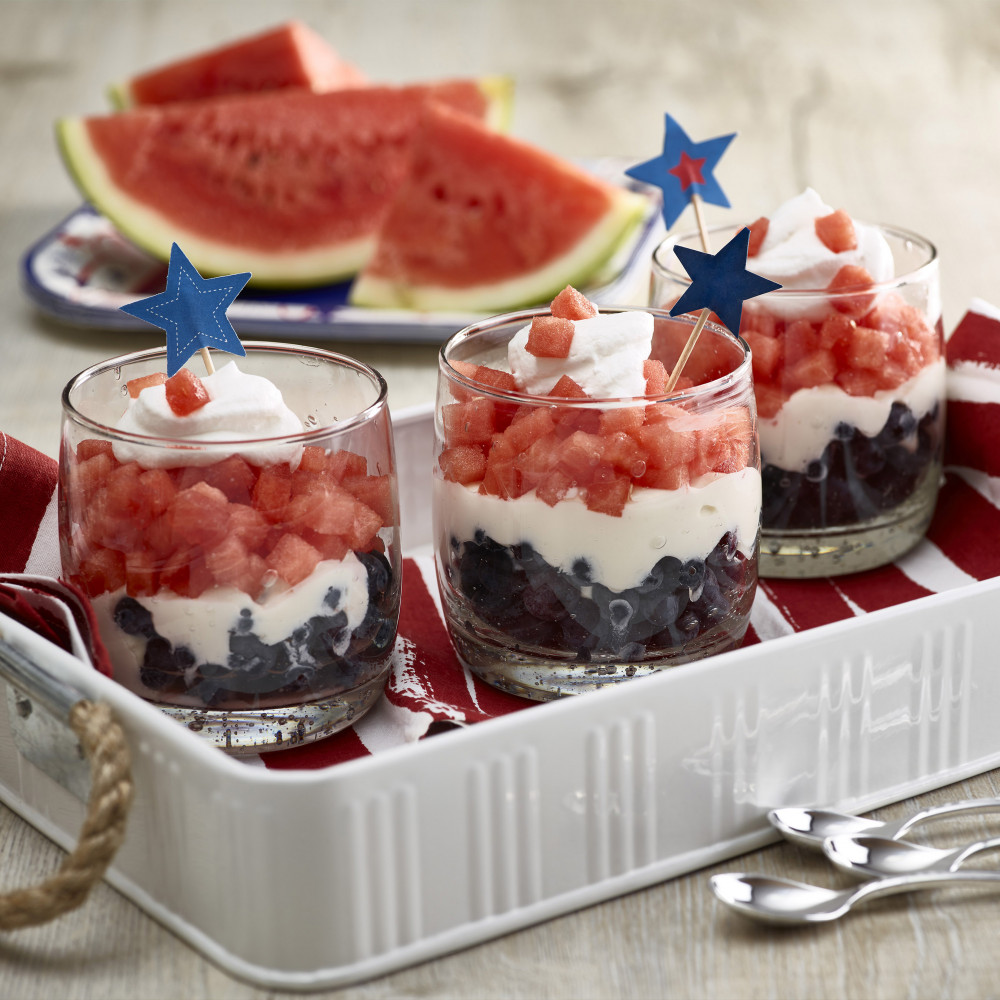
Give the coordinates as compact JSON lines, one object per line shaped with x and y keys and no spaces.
{"x":849,"y":379}
{"x":589,"y":527}
{"x":238,"y":561}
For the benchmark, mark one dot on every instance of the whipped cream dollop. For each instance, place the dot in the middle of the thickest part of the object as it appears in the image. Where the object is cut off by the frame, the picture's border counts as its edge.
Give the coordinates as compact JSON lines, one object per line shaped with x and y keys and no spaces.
{"x":605,"y":357}
{"x":240,"y":407}
{"x":793,"y":255}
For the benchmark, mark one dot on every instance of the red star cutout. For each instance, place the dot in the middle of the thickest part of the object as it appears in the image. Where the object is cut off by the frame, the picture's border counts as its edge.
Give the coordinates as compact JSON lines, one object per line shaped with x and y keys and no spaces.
{"x":688,"y":171}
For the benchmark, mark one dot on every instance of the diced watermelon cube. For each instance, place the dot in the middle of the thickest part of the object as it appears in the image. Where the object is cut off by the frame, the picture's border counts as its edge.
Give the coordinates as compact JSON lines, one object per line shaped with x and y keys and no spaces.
{"x":539,"y":461}
{"x":462,"y":464}
{"x":656,"y":377}
{"x":836,"y":332}
{"x":836,"y":231}
{"x":496,"y":379}
{"x":770,"y":400}
{"x":571,"y":304}
{"x":328,"y":546}
{"x":665,"y":447}
{"x":313,"y":459}
{"x":272,"y":491}
{"x":554,"y":487}
{"x":185,"y":393}
{"x":628,"y":419}
{"x":674,"y":478}
{"x":758,"y":233}
{"x":141,"y":577}
{"x":90,"y":447}
{"x":231,"y":565}
{"x":136,"y":385}
{"x":155,"y":491}
{"x":199,"y":514}
{"x":91,"y":474}
{"x":766,"y":355}
{"x":858,"y":383}
{"x":234,"y":476}
{"x":621,"y":451}
{"x":248,"y":525}
{"x":727,"y":446}
{"x":608,"y":497}
{"x":468,"y":423}
{"x":817,"y":369}
{"x":530,"y":425}
{"x":580,"y":455}
{"x":292,"y":558}
{"x":550,"y":337}
{"x":801,"y":341}
{"x":185,"y":573}
{"x":868,"y":348}
{"x":847,"y":279}
{"x":100,"y":571}
{"x":340,"y":464}
{"x":566,"y":388}
{"x":375,"y":492}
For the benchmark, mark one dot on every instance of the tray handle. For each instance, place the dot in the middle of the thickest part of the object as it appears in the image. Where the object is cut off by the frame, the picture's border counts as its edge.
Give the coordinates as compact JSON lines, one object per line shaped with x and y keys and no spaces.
{"x":111,"y":791}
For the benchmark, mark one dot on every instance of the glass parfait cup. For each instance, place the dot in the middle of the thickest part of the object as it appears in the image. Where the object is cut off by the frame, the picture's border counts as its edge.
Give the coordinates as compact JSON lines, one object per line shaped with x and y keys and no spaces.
{"x":850,"y":389}
{"x":249,"y":587}
{"x":582,"y":542}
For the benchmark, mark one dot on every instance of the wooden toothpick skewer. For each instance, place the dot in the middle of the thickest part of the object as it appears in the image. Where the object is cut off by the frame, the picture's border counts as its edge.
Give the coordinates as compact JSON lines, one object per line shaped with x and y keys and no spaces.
{"x":705,"y":313}
{"x":207,"y":358}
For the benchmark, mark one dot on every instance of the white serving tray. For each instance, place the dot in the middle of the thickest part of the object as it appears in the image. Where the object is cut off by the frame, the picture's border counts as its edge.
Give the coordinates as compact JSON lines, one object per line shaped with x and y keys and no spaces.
{"x":314,"y":879}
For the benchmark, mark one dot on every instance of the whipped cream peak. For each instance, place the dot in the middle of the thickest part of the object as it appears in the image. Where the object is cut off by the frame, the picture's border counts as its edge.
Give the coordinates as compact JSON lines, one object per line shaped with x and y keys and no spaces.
{"x":605,"y":357}
{"x":792,"y":254}
{"x":240,"y":407}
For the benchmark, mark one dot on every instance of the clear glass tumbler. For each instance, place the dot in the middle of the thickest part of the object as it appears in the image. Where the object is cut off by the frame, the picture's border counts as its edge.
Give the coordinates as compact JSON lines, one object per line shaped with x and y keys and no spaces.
{"x":850,"y":390}
{"x":249,"y":587}
{"x":582,"y":542}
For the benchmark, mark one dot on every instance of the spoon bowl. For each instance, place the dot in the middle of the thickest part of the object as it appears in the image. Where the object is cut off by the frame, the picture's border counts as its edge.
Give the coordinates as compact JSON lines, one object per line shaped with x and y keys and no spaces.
{"x":868,"y":855}
{"x":812,"y":827}
{"x":783,"y":901}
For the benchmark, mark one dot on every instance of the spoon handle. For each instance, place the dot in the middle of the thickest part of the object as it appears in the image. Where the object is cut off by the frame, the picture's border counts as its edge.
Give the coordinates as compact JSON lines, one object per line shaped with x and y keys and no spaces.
{"x":892,"y":884}
{"x":967,"y":852}
{"x":948,"y":808}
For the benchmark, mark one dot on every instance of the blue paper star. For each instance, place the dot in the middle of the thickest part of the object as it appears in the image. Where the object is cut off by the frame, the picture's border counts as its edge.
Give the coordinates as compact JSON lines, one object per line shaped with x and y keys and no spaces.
{"x":671,"y":171}
{"x":720,"y":281}
{"x":192,"y":311}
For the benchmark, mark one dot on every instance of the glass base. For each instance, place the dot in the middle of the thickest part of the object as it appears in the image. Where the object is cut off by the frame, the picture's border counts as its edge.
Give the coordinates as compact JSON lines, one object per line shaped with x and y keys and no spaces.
{"x":521,"y":671}
{"x":261,"y":730}
{"x":850,"y":549}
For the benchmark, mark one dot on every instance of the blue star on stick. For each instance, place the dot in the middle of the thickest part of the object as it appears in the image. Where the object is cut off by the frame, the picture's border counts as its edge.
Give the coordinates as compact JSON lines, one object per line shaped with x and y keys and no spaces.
{"x":720,"y":281}
{"x":192,"y":311}
{"x":684,"y":169}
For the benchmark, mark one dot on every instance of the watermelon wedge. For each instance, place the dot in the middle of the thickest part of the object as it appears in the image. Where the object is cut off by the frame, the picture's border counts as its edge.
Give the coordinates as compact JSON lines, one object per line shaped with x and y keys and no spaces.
{"x":290,"y":185}
{"x":484,"y":222}
{"x":291,"y":55}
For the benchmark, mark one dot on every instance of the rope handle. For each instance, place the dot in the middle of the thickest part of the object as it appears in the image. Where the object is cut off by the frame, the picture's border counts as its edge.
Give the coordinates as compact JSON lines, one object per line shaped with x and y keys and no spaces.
{"x":103,"y":829}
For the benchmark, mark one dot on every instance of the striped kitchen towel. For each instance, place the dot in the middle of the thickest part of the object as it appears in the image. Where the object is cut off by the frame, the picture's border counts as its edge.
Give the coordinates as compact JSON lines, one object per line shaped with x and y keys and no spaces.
{"x":429,"y":691}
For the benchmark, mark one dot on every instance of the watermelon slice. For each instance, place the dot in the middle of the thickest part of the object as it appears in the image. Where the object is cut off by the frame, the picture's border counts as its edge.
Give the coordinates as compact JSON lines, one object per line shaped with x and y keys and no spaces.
{"x":289,"y":185}
{"x":291,"y":55}
{"x":485,"y":222}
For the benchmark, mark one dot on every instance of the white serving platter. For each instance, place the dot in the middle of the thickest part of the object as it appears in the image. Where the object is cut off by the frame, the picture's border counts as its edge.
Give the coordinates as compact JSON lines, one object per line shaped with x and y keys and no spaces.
{"x":315,"y":879}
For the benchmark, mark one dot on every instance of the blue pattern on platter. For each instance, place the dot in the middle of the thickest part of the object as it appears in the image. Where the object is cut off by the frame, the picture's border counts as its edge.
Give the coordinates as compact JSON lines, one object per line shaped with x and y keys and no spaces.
{"x":84,"y":270}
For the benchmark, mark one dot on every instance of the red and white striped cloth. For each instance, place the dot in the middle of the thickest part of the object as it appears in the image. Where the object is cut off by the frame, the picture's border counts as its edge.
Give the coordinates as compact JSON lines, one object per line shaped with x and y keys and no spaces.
{"x":429,"y":691}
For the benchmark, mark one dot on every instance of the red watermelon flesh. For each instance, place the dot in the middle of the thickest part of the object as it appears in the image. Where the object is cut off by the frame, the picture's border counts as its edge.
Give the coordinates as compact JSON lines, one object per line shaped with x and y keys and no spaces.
{"x":290,"y":185}
{"x":291,"y":55}
{"x":484,"y":221}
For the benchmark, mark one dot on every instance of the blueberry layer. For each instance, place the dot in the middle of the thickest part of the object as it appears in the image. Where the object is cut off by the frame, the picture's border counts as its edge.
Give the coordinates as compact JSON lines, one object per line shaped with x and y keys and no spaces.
{"x":301,"y":667}
{"x":515,"y":591}
{"x":857,"y":477}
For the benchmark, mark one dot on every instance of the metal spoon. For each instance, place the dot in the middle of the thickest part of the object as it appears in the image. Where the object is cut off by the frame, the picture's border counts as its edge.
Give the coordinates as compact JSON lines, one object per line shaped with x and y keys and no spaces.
{"x":866,"y":855}
{"x":810,"y":827}
{"x":782,"y":901}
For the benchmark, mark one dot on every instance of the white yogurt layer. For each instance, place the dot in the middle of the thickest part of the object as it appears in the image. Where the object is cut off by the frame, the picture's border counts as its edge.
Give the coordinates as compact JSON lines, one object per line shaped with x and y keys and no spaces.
{"x":794,"y":256}
{"x":605,"y":357}
{"x":685,"y":523}
{"x":804,"y":426}
{"x":240,"y":407}
{"x":203,"y":623}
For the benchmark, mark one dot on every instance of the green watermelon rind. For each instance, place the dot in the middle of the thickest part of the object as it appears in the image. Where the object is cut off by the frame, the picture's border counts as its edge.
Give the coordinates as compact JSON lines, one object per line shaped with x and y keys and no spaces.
{"x":577,"y":267}
{"x":154,"y":232}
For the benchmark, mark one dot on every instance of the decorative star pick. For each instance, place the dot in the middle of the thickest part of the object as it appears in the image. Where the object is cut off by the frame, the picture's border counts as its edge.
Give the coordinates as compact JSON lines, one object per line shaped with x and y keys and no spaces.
{"x":192,"y":311}
{"x":720,"y":282}
{"x":684,"y":171}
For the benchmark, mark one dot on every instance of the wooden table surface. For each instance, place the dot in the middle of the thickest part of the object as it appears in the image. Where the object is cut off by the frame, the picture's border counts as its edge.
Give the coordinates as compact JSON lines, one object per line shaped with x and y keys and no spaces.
{"x":887,"y":108}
